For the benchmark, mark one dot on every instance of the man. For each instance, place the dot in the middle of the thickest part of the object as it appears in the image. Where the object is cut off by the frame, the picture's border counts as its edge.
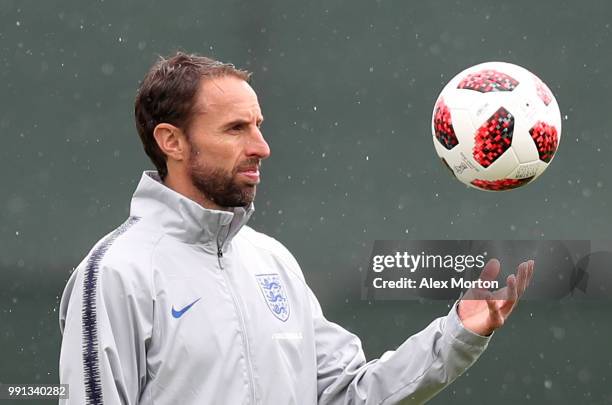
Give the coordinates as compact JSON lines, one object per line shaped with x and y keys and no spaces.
{"x":185,"y":304}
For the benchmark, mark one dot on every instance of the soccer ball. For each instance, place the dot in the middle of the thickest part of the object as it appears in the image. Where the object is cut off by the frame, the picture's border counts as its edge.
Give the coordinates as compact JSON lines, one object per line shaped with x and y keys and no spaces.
{"x":496,"y":126}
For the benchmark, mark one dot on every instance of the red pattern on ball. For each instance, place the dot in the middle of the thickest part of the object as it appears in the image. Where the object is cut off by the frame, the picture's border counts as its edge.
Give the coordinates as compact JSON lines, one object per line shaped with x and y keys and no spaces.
{"x":546,"y":140}
{"x":494,"y":137}
{"x":543,"y":91}
{"x":443,"y":126}
{"x":488,"y":80}
{"x":500,"y":185}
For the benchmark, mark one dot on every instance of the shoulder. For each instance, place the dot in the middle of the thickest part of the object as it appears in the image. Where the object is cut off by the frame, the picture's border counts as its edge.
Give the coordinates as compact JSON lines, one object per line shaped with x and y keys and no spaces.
{"x":118,"y":265}
{"x":270,"y":246}
{"x":124,"y":254}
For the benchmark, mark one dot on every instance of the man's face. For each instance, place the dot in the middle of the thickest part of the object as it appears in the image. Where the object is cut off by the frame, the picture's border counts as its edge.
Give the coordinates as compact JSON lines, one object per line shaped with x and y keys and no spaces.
{"x":226,"y":144}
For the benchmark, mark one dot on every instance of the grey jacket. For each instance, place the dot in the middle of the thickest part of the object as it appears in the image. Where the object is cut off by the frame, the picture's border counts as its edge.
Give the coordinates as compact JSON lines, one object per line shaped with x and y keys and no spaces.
{"x":185,"y":305}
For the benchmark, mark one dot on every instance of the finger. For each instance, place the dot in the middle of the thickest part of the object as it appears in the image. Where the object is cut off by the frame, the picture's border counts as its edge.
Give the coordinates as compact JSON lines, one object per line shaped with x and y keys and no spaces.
{"x":490,"y":270}
{"x":521,"y":275}
{"x":531,"y":270}
{"x":511,"y":293}
{"x":497,"y":318}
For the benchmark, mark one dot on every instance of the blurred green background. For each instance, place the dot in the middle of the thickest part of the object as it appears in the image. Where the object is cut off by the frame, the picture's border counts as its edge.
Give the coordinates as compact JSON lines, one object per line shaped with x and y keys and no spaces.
{"x":347,"y":89}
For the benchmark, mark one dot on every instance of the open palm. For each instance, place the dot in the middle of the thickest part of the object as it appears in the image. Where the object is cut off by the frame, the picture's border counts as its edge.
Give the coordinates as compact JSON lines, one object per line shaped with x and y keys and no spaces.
{"x":483,"y":311}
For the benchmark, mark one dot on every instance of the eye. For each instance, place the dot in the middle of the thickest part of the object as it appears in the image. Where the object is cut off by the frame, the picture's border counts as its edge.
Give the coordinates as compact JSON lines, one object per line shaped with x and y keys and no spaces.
{"x":237,"y":127}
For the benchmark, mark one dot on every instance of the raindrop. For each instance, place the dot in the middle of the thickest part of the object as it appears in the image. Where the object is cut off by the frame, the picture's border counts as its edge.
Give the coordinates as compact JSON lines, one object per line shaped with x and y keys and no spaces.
{"x":107,"y":69}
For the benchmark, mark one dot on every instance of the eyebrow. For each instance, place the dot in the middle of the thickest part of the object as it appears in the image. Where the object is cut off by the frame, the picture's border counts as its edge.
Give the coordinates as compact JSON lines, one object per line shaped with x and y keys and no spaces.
{"x":239,"y":121}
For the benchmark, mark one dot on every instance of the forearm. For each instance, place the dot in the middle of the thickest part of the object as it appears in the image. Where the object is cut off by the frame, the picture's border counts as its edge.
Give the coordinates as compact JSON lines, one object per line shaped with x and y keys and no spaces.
{"x":420,"y":368}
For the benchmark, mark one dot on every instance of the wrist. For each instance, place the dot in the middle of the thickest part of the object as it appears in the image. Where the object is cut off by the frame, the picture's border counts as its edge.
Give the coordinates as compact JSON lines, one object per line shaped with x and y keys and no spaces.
{"x":473,"y":325}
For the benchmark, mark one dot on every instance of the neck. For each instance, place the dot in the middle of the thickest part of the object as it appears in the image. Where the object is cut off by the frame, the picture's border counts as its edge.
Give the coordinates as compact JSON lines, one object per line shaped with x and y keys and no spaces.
{"x":185,"y":187}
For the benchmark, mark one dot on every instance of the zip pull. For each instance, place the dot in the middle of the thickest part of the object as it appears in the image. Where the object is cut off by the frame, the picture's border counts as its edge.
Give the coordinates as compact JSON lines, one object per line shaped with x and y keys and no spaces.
{"x":220,"y":256}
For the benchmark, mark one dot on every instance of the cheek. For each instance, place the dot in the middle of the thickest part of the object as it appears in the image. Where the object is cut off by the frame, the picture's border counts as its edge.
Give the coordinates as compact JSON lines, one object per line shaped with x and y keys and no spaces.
{"x":218,"y":154}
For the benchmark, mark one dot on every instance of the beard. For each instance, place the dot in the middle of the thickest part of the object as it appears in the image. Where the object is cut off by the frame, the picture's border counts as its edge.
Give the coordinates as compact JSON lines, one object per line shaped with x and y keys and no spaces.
{"x":219,"y":185}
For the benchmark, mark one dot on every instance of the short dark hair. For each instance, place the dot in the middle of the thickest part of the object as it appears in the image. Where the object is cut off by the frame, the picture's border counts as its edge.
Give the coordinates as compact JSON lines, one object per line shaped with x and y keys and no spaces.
{"x":168,"y":93}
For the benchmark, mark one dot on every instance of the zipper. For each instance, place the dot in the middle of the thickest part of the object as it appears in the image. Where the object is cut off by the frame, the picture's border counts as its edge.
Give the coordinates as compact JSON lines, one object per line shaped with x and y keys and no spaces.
{"x":219,"y":257}
{"x":220,"y":246}
{"x":237,"y":307}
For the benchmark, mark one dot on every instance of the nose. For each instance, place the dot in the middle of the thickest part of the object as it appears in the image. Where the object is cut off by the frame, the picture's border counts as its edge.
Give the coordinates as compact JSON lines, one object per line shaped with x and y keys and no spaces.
{"x":257,"y":145}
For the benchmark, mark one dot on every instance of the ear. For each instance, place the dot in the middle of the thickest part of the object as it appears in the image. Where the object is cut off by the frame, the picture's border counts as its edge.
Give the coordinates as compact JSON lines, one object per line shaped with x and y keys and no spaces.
{"x":171,"y":141}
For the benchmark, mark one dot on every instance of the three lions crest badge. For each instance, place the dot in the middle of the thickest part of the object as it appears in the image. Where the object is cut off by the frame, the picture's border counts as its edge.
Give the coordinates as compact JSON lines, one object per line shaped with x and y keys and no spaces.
{"x":275,"y":295}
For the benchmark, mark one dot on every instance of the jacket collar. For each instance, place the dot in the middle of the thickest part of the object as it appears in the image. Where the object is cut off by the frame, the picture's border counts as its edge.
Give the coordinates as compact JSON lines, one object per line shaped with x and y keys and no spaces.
{"x":182,"y":217}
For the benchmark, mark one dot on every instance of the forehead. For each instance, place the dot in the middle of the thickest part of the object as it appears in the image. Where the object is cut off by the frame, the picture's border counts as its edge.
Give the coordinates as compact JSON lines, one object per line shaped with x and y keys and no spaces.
{"x":227,"y":95}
